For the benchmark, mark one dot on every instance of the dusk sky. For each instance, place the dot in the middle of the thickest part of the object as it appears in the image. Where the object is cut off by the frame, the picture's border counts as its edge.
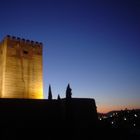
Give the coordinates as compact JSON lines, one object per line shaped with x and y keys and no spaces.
{"x":92,"y":44}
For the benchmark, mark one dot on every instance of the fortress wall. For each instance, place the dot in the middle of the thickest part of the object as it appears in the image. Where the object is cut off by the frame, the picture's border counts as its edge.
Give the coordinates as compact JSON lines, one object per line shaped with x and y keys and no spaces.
{"x":75,"y":113}
{"x":0,"y":68}
{"x":2,"y":65}
{"x":23,"y":69}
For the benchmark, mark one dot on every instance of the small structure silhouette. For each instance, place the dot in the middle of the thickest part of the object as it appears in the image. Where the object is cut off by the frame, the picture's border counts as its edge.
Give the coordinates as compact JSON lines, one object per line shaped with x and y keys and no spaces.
{"x":49,"y":93}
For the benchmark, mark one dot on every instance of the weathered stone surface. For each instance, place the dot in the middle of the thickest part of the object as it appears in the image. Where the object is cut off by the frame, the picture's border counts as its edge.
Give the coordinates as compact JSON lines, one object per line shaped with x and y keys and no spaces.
{"x":21,"y":69}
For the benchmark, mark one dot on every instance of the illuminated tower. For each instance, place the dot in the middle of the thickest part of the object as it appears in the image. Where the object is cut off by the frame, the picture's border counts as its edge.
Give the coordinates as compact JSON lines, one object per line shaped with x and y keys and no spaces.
{"x":21,"y":68}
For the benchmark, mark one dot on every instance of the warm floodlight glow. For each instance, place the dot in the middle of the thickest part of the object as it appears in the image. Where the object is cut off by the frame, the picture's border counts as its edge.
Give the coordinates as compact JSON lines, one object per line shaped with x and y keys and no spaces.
{"x":21,"y":69}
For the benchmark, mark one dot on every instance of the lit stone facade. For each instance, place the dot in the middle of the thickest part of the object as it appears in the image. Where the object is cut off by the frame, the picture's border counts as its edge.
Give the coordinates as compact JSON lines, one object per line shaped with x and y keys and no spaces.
{"x":21,"y":68}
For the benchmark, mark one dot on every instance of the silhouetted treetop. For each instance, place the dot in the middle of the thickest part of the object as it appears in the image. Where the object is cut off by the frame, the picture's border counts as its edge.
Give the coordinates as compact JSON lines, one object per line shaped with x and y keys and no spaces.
{"x":68,"y":92}
{"x":50,"y":93}
{"x":58,"y":97}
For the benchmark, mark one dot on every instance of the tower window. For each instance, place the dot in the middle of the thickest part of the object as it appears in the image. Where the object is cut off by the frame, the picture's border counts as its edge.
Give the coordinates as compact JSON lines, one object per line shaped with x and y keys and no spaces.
{"x":25,"y":52}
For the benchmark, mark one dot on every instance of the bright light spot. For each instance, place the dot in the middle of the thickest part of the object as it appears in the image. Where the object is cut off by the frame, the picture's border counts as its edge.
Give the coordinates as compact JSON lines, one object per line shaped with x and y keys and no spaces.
{"x":112,"y":122}
{"x":110,"y":115}
{"x":100,"y":119}
{"x":135,"y":115}
{"x":124,"y":118}
{"x":134,"y":124}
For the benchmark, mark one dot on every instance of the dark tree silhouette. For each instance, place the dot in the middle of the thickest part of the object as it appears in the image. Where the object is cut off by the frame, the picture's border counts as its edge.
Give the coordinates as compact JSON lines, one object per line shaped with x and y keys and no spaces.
{"x":68,"y":92}
{"x":58,"y":97}
{"x":50,"y":93}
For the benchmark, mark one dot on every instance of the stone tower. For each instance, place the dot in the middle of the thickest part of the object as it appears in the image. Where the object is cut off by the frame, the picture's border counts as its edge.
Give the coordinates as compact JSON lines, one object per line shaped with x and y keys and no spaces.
{"x":21,"y":68}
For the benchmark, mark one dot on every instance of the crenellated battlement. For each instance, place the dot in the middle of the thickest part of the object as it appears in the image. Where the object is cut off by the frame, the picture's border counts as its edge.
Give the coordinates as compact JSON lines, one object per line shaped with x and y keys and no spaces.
{"x":21,"y":68}
{"x":22,"y":40}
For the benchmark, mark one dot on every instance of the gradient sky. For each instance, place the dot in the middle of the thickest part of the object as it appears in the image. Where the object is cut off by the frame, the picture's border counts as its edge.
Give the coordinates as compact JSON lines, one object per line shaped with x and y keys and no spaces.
{"x":93,"y":45}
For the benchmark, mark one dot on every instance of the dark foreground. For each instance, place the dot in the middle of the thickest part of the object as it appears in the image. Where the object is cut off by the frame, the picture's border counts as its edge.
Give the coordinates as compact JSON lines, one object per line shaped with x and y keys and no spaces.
{"x":43,"y":133}
{"x":57,"y":119}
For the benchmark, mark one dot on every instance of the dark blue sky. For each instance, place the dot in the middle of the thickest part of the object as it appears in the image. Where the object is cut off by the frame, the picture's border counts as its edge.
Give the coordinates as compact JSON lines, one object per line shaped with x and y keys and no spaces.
{"x":93,"y":45}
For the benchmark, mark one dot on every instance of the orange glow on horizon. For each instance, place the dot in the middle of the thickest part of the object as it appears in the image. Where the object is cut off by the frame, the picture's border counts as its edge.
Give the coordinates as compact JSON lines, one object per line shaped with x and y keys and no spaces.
{"x":106,"y":109}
